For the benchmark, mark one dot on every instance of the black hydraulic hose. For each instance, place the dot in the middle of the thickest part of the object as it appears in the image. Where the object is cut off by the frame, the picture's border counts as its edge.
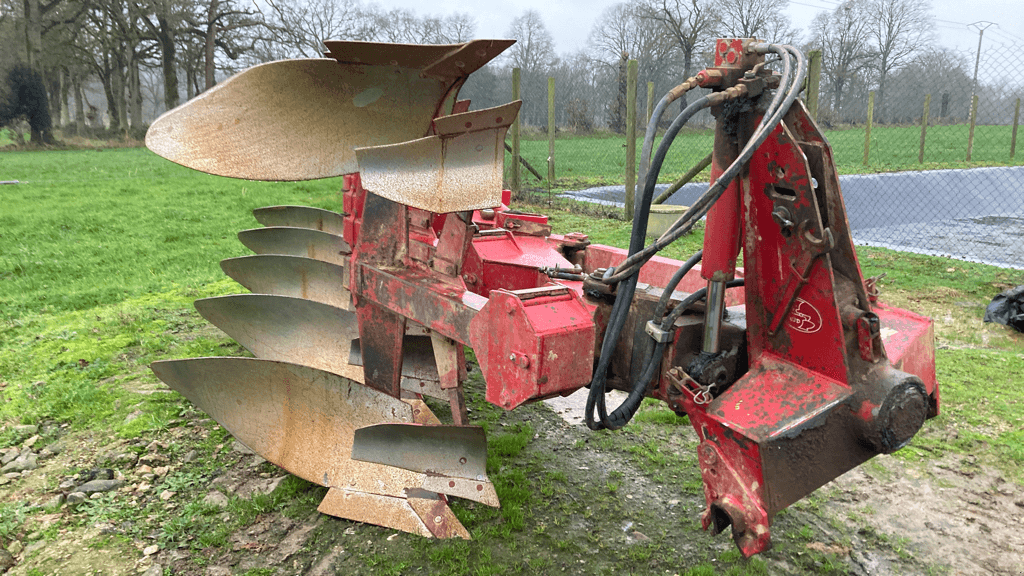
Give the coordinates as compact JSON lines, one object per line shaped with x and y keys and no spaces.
{"x":627,"y":272}
{"x":666,"y":295}
{"x":700,"y":208}
{"x":626,"y":289}
{"x":652,"y":130}
{"x":652,"y":360}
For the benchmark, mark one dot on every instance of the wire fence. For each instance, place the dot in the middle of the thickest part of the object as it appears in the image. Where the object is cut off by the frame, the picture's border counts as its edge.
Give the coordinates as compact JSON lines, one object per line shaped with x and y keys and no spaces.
{"x":928,"y":155}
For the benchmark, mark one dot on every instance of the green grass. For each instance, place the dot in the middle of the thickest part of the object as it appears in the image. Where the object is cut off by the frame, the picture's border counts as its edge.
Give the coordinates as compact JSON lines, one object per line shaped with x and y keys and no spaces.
{"x":599,"y":159}
{"x":103,"y":252}
{"x":94,"y":227}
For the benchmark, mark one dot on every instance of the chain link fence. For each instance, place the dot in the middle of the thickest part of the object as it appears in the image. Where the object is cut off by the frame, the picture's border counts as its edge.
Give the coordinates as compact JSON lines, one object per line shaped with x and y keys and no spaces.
{"x":927,"y":155}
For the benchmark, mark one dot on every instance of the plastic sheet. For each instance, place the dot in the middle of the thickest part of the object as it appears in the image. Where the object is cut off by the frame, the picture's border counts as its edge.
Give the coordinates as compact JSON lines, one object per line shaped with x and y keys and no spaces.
{"x":1007,"y":308}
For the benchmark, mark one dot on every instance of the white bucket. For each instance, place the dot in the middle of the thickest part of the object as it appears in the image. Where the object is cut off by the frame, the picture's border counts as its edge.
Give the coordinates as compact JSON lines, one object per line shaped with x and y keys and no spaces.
{"x":663,"y":216}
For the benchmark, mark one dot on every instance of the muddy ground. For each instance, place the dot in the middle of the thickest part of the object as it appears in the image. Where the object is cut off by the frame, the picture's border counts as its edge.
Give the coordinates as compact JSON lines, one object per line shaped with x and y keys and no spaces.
{"x":592,"y":503}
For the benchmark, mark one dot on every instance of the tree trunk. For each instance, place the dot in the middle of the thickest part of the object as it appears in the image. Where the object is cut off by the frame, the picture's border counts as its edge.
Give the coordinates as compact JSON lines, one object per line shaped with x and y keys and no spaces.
{"x":65,"y":88}
{"x":211,"y":39}
{"x":52,"y":82}
{"x":135,"y":93}
{"x":165,"y":36}
{"x":121,"y":91}
{"x":33,"y":33}
{"x":76,"y":88}
{"x":880,"y":95}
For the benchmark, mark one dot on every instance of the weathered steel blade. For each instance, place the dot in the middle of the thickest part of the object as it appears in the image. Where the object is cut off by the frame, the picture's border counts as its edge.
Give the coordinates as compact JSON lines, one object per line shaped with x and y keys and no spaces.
{"x":307,"y":332}
{"x":456,"y":456}
{"x":459,"y":168}
{"x":294,"y":276}
{"x":300,"y":119}
{"x":300,"y":418}
{"x":290,"y":241}
{"x":415,"y":514}
{"x":301,"y":217}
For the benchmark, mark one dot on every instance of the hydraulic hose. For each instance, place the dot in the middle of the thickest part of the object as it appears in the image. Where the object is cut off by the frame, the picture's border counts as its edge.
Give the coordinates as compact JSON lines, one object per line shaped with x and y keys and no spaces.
{"x":699,"y":209}
{"x":625,"y":291}
{"x":627,"y":273}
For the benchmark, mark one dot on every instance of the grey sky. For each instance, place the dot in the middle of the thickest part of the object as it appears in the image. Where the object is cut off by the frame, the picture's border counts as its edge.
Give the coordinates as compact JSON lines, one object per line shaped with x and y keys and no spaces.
{"x":570,"y":21}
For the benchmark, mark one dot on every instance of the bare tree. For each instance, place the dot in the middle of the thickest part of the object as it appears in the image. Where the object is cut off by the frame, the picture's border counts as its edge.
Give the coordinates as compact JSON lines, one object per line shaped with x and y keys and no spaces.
{"x":163,"y":20}
{"x":689,"y":23}
{"x":300,"y":27}
{"x":899,"y":28}
{"x":626,"y":31}
{"x":764,"y":19}
{"x":534,"y":54}
{"x":844,"y":36}
{"x":534,"y":49}
{"x":222,"y":24}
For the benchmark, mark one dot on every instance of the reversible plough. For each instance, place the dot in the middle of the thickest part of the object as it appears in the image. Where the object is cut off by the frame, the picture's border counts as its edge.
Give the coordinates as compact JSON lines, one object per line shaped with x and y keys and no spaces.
{"x":790,"y":370}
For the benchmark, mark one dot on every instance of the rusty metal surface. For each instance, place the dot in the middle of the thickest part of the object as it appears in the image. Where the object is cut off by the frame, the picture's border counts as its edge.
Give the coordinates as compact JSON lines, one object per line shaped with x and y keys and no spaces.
{"x":436,"y":515}
{"x":297,"y":417}
{"x":295,"y":276}
{"x":301,"y":217}
{"x":301,"y":119}
{"x":304,"y":242}
{"x":458,"y":169}
{"x":387,"y":511}
{"x":440,"y":60}
{"x":300,"y":418}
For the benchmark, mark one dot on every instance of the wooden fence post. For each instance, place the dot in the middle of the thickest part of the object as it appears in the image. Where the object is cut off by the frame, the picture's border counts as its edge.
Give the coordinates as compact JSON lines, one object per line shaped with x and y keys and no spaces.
{"x":514,"y":183}
{"x":1013,"y":138}
{"x":813,"y":83}
{"x":650,"y":102}
{"x":867,"y":132}
{"x":551,"y":131}
{"x":631,"y":68}
{"x":974,"y":119}
{"x":924,"y":126}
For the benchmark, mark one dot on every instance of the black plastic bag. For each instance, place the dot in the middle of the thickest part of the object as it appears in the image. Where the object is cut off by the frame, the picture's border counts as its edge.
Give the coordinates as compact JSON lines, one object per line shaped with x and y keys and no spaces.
{"x":1007,"y":308}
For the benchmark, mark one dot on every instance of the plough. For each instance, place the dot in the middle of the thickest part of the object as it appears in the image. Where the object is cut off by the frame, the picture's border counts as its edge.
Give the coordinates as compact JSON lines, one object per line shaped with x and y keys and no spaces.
{"x":789,"y":369}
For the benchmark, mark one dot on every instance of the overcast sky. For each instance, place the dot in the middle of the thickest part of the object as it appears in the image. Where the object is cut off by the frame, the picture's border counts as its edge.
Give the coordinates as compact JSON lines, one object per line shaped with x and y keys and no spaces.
{"x":569,"y":21}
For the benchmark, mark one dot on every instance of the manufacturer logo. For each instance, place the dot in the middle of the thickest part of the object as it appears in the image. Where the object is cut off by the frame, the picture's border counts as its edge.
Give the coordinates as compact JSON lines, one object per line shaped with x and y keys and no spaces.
{"x":804,"y":317}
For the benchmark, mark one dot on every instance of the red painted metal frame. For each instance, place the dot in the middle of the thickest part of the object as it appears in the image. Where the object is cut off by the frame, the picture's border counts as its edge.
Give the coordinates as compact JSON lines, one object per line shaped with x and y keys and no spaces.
{"x":832,"y":376}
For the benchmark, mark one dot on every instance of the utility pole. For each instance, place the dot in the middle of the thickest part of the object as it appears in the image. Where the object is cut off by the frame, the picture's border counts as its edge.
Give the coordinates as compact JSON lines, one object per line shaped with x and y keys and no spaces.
{"x":981,"y":26}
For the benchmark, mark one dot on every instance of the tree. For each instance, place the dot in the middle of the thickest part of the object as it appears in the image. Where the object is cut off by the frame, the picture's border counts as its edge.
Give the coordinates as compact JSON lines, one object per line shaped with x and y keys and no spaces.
{"x":844,"y":36}
{"x":689,"y":23}
{"x":221,"y":24}
{"x":24,"y":96}
{"x":764,"y":19}
{"x":534,"y":55}
{"x":899,"y":28}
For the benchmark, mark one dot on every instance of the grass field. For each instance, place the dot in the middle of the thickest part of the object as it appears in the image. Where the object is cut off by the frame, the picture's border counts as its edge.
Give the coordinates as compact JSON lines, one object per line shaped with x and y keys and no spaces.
{"x":103,"y":251}
{"x":600,"y":159}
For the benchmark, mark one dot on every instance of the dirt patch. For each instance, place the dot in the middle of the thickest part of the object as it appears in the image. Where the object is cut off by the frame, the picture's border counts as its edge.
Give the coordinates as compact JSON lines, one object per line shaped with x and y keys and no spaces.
{"x":949,"y":511}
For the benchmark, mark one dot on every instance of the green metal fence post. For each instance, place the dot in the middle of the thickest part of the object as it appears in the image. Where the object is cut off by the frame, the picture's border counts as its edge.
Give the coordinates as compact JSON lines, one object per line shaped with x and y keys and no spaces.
{"x":1013,"y":138}
{"x":974,"y":119}
{"x":867,"y":132}
{"x":813,"y":83}
{"x":551,"y":131}
{"x":924,"y":126}
{"x":631,"y":68}
{"x":514,"y":183}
